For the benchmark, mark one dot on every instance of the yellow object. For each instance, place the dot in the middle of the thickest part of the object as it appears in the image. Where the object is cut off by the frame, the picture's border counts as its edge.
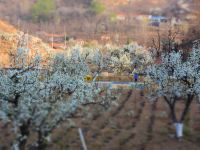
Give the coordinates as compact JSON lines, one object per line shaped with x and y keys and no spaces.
{"x":88,"y":78}
{"x":99,"y":78}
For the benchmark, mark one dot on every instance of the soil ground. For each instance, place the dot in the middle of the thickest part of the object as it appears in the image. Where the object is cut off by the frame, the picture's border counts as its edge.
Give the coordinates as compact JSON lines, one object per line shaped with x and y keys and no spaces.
{"x":135,"y":124}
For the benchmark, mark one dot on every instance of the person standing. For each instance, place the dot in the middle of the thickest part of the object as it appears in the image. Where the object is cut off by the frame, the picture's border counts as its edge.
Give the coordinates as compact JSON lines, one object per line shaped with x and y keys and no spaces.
{"x":135,"y":77}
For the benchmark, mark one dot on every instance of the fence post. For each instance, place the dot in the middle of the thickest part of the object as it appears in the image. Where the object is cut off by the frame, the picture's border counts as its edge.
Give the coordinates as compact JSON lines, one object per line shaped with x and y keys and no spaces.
{"x":82,"y":139}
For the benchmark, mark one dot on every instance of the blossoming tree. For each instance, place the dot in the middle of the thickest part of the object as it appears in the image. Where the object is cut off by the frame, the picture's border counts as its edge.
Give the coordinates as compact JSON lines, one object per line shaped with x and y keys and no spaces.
{"x":129,"y":57}
{"x":37,"y":97}
{"x":177,"y":79}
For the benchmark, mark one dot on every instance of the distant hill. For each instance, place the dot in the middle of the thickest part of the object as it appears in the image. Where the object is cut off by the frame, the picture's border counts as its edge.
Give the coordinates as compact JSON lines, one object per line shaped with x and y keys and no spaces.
{"x":9,"y":41}
{"x":76,"y":16}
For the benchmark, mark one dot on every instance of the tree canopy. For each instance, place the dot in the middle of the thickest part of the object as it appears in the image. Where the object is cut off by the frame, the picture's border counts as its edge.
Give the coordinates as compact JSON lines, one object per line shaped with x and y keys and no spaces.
{"x":42,"y":9}
{"x":97,"y":7}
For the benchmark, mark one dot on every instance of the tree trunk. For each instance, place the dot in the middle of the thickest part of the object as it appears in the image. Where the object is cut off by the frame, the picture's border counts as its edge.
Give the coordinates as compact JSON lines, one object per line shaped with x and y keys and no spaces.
{"x":22,"y":143}
{"x":41,"y":141}
{"x":187,"y":106}
{"x":179,"y":124}
{"x":24,"y":134}
{"x":179,"y":129}
{"x":171,"y":105}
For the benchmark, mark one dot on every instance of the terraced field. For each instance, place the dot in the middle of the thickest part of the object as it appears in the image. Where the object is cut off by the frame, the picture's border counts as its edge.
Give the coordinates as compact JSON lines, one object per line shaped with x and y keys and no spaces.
{"x":135,"y":124}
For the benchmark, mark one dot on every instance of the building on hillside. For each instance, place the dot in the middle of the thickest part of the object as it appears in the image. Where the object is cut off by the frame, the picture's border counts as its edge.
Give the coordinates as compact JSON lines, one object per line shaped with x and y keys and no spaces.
{"x":121,"y":16}
{"x":176,"y":21}
{"x":132,"y":17}
{"x":142,"y":17}
{"x":157,"y":20}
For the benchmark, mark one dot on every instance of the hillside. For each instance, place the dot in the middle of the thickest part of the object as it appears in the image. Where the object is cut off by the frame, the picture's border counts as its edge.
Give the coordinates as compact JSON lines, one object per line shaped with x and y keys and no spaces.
{"x":74,"y":15}
{"x":77,"y":19}
{"x":143,"y":5}
{"x":10,"y":39}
